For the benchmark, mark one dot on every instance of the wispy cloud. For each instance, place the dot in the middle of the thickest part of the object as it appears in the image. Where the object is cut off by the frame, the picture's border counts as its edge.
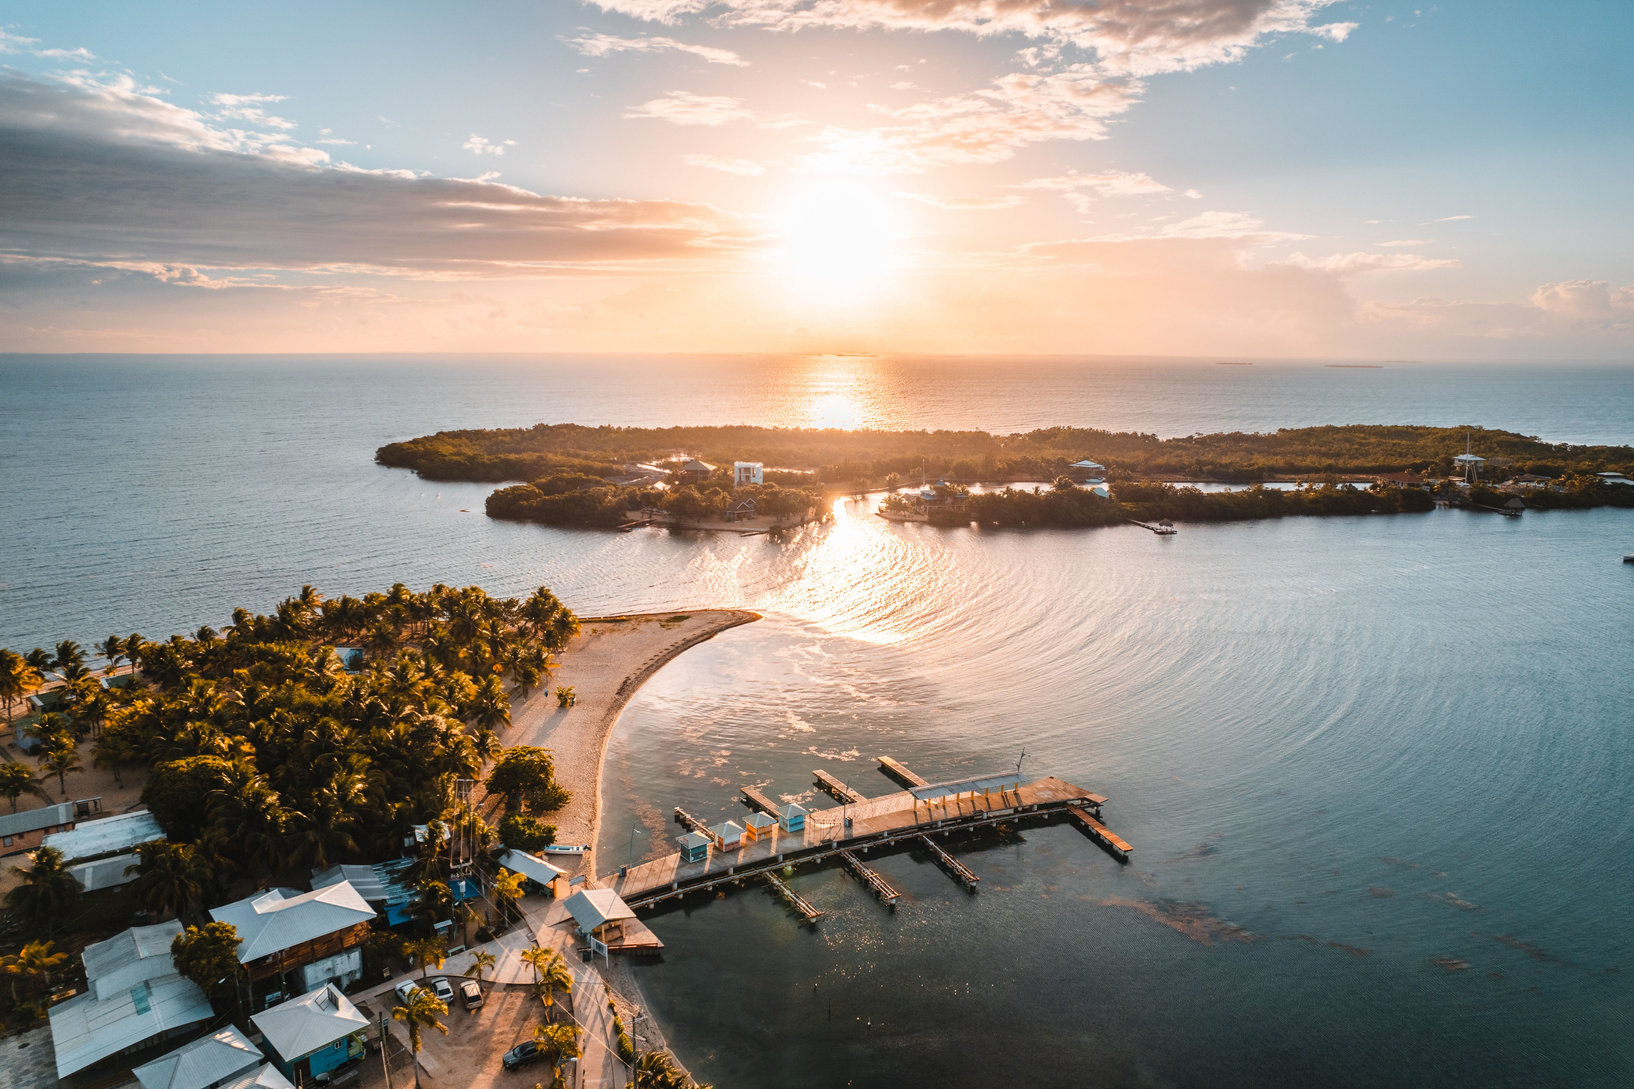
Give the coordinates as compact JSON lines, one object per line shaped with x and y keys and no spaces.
{"x":1450,"y":219}
{"x":248,"y":108}
{"x":966,"y":204}
{"x":605,"y":45}
{"x":1398,"y":242}
{"x":481,"y":145}
{"x":686,"y":108}
{"x":742,"y":167}
{"x":1351,"y":263}
{"x":16,"y":43}
{"x":1208,"y":225}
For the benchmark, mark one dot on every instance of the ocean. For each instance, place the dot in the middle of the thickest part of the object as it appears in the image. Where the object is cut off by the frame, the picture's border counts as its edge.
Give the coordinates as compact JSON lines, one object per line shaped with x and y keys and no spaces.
{"x":1378,"y":772}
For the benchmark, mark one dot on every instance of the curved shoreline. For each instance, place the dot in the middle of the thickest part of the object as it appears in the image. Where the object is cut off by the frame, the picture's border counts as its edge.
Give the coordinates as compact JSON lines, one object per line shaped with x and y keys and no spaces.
{"x":606,"y":664}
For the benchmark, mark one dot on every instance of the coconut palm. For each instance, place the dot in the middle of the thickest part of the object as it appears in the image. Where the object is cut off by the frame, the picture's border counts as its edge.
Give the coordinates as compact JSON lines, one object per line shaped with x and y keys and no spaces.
{"x":18,"y":678}
{"x":16,"y":780}
{"x":553,"y":977}
{"x":48,"y":890}
{"x":557,"y":1043}
{"x":421,"y":1011}
{"x":538,"y":958}
{"x":114,"y":749}
{"x":482,"y":961}
{"x":60,"y":759}
{"x":491,"y":709}
{"x":657,"y":1070}
{"x":69,"y":654}
{"x":507,"y":890}
{"x":35,"y":961}
{"x":170,"y":877}
{"x":429,"y":952}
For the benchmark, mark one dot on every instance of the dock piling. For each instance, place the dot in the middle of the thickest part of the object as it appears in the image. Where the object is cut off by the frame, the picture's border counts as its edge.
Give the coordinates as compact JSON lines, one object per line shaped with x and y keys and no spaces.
{"x":953,"y":866}
{"x":796,"y":901}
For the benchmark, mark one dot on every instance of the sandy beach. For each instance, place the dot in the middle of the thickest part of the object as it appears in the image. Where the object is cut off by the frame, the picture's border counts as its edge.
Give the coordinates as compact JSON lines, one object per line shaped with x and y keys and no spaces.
{"x":605,"y":664}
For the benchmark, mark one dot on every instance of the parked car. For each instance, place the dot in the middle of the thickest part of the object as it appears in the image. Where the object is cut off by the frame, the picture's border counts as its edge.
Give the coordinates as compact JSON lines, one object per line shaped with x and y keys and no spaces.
{"x":406,"y":990}
{"x":444,"y":989}
{"x":521,"y":1055}
{"x":471,"y":994}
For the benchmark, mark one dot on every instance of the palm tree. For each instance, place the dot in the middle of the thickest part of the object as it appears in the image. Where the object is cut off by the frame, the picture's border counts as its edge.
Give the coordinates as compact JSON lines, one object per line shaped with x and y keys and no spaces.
{"x":537,"y":957}
{"x":656,"y":1070}
{"x":170,"y":877}
{"x":69,"y":654}
{"x":113,"y":750}
{"x":48,"y":890}
{"x":481,"y":961}
{"x":429,"y":952}
{"x":507,"y":890}
{"x":552,"y":978}
{"x":18,"y":678}
{"x":492,"y":707}
{"x":15,"y":781}
{"x":34,"y":961}
{"x":557,"y":1043}
{"x":59,"y":760}
{"x":420,"y":1012}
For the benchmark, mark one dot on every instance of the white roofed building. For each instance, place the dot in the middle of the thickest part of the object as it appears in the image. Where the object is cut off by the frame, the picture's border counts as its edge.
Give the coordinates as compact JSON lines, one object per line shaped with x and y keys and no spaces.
{"x":134,"y":998}
{"x":220,"y":1058}
{"x":295,"y":941}
{"x":748,"y":472}
{"x":313,"y":1034}
{"x":535,"y":869}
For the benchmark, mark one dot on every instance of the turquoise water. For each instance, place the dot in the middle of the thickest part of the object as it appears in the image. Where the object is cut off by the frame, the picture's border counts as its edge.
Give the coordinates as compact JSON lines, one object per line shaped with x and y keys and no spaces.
{"x":1377,"y":771}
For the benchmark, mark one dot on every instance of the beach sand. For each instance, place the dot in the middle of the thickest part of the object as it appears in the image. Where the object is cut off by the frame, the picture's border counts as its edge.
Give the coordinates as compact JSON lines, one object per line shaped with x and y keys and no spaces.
{"x":605,"y":664}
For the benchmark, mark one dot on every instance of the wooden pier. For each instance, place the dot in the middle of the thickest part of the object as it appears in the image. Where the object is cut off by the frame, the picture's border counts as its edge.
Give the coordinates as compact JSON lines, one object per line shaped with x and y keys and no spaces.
{"x":900,"y":773}
{"x":1160,"y":528}
{"x":1100,"y":833}
{"x":950,"y":864}
{"x":871,"y":877}
{"x":839,"y":791}
{"x":689,"y":822}
{"x":754,"y":799}
{"x":796,"y":901}
{"x":897,"y":819}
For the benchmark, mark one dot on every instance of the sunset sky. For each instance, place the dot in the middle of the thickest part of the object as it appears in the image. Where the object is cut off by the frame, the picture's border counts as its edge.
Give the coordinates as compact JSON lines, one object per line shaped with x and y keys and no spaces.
{"x":1179,"y":177}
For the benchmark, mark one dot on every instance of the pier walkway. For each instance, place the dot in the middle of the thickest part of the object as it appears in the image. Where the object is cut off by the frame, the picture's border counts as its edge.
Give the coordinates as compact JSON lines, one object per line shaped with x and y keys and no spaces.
{"x":900,"y":773}
{"x":838,"y":790}
{"x":877,"y":822}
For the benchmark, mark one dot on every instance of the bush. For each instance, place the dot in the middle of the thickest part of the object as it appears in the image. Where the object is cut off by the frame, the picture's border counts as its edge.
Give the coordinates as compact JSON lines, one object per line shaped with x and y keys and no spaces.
{"x":521,"y":832}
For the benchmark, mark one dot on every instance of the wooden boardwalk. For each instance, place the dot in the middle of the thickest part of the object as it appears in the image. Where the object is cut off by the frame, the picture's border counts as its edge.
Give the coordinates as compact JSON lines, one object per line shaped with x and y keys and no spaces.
{"x":871,"y":877}
{"x":839,"y":791}
{"x":689,"y":822}
{"x":754,"y":799}
{"x":900,"y":773}
{"x":891,"y":819}
{"x":950,"y":864}
{"x":1100,"y":833}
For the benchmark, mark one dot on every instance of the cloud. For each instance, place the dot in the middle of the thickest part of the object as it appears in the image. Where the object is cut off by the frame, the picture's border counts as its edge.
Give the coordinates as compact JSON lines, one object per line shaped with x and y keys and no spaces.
{"x":1107,"y":183}
{"x":1209,"y":225}
{"x":248,"y":108}
{"x":1590,"y":300}
{"x":1406,"y":242}
{"x":686,"y":108}
{"x":1450,"y":219}
{"x":983,"y":126}
{"x":605,"y":45}
{"x":741,"y":167}
{"x":16,"y":43}
{"x":481,"y":145}
{"x":1136,"y":37}
{"x":1347,"y":264}
{"x":965,"y":204}
{"x":104,"y":173}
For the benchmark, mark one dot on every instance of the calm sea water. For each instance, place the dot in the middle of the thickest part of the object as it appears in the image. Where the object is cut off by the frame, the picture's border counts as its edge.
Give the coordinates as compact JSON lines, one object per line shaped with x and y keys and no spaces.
{"x":1377,"y":771}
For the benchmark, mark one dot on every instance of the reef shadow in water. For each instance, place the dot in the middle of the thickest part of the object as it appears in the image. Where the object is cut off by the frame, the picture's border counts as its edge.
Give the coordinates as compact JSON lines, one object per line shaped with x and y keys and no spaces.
{"x":1190,"y":917}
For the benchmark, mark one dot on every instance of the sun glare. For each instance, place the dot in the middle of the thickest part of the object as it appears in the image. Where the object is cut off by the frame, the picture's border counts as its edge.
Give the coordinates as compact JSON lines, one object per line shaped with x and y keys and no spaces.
{"x":837,"y":244}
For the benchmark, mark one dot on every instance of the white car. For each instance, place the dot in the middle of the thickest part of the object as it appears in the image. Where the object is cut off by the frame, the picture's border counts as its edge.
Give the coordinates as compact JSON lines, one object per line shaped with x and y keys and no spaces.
{"x":444,"y":989}
{"x":406,"y":991}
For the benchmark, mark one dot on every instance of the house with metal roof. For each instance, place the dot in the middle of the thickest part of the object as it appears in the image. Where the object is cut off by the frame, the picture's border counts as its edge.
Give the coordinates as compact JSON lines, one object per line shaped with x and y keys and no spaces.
{"x":225,"y":1055}
{"x":313,"y":1034}
{"x":27,"y":830}
{"x":535,"y":869}
{"x":117,"y":834}
{"x":134,"y":998}
{"x":597,"y":912}
{"x":299,"y":940}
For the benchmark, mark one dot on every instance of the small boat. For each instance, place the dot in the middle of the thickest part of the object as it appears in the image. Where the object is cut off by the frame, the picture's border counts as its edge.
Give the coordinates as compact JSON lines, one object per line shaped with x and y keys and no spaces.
{"x":1629,"y":558}
{"x":565,"y":849}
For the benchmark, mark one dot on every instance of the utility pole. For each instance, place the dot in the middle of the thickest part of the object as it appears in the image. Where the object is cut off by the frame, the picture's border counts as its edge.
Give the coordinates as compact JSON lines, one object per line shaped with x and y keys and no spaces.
{"x":385,"y":1056}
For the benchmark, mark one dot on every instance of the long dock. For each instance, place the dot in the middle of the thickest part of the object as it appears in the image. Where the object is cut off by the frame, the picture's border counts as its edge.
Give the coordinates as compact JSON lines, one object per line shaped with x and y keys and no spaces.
{"x":900,"y":773}
{"x":839,"y":791}
{"x":754,"y":799}
{"x":871,"y":877}
{"x":1100,"y":833}
{"x":689,"y":822}
{"x":951,"y":864}
{"x":892,"y":819}
{"x":796,"y":901}
{"x":1159,"y":529}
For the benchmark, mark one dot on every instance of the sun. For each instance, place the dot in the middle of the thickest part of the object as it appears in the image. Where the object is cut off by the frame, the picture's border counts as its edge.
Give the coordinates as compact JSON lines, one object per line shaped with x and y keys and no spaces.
{"x":838,"y":244}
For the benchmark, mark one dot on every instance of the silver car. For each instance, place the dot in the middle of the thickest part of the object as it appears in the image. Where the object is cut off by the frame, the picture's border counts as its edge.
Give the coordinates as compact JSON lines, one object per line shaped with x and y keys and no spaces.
{"x":443,"y":989}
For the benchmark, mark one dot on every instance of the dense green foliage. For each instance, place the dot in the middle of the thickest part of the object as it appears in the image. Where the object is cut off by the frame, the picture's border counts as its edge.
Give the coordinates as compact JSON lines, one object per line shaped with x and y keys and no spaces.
{"x":208,"y":955}
{"x":847,"y":457}
{"x":525,"y":776}
{"x":1066,"y":506}
{"x":611,"y":505}
{"x":525,"y":833}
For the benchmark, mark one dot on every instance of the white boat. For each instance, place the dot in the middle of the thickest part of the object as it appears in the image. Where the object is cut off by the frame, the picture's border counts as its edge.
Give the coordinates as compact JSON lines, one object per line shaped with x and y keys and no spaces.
{"x":565,"y":849}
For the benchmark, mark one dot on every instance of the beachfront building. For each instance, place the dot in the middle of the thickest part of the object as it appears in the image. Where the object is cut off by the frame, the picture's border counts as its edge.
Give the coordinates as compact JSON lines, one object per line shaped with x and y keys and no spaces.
{"x":313,"y":1034}
{"x":1615,"y":478}
{"x":134,"y":998}
{"x":728,"y":836}
{"x":294,"y":942}
{"x":696,"y":470}
{"x":757,"y":826}
{"x":550,"y":878}
{"x":740,"y":511}
{"x":792,"y":817}
{"x":748,"y":472}
{"x":600,"y":915}
{"x":694,"y":846}
{"x":1087,"y":472}
{"x":223,"y":1058}
{"x":27,"y":830}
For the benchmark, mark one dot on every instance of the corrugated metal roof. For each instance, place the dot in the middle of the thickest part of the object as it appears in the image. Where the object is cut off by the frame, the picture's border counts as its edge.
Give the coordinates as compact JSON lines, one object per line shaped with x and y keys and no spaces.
{"x":302,"y":1025}
{"x":106,"y":835}
{"x":592,"y":907}
{"x":89,"y":1027}
{"x":530,"y":866}
{"x":202,"y":1063}
{"x":273,"y":921}
{"x":268,"y":1077}
{"x":105,"y":873}
{"x":32,"y":820}
{"x":933,"y":791}
{"x":127,"y":958}
{"x":363,"y":878}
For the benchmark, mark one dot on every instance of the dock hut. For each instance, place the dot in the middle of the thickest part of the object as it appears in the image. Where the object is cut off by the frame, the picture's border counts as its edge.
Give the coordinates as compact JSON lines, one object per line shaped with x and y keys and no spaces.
{"x":792,"y":817}
{"x":728,"y":836}
{"x":758,"y":826}
{"x":694,"y":846}
{"x":600,"y":914}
